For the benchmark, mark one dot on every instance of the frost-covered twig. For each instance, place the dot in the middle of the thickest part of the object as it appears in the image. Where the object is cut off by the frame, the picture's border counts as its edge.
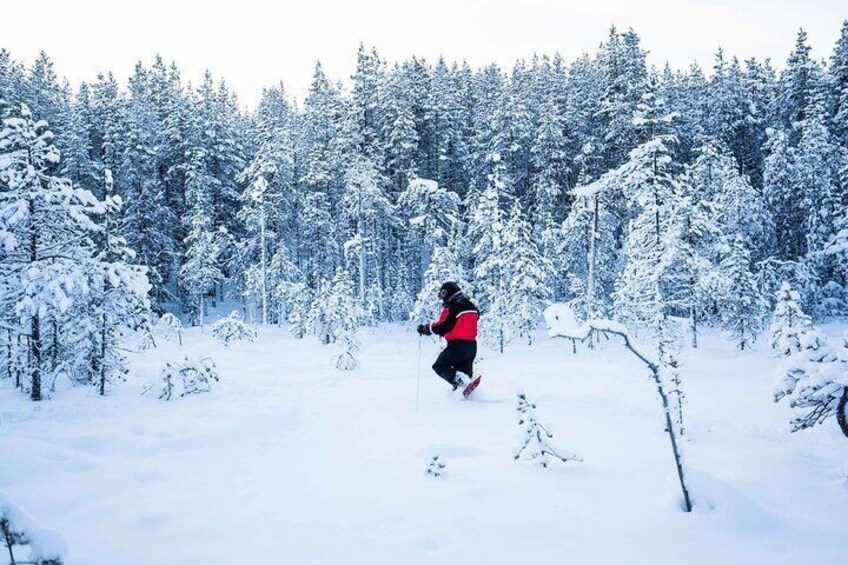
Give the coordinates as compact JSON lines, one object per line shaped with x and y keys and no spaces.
{"x":535,"y":444}
{"x":561,"y":323}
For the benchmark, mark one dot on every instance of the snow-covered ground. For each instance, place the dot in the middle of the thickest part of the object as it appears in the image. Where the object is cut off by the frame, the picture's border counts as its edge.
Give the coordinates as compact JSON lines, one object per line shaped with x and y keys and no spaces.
{"x":291,"y":461}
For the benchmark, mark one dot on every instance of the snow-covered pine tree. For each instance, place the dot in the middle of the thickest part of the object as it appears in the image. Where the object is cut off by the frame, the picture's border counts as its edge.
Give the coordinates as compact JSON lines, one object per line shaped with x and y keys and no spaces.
{"x":200,"y":271}
{"x":131,"y":138}
{"x":529,"y":275}
{"x":317,"y":320}
{"x":45,"y":230}
{"x":818,"y":161}
{"x":781,"y":195}
{"x":591,"y":250}
{"x":486,"y":227}
{"x":367,"y":210}
{"x":117,"y":303}
{"x":535,"y":439}
{"x":344,"y":317}
{"x":738,"y":206}
{"x":623,"y":81}
{"x":789,"y":322}
{"x":742,"y":303}
{"x":287,"y":283}
{"x":401,"y":298}
{"x":691,"y":241}
{"x":296,"y":297}
{"x":256,"y":206}
{"x":651,"y":186}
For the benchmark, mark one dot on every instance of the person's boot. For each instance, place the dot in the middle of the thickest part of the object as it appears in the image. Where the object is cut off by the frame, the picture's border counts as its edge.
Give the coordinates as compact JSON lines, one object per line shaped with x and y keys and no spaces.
{"x":460,"y":381}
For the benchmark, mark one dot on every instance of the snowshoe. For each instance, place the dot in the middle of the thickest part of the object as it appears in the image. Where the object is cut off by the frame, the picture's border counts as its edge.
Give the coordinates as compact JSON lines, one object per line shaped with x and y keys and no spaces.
{"x":470,"y":387}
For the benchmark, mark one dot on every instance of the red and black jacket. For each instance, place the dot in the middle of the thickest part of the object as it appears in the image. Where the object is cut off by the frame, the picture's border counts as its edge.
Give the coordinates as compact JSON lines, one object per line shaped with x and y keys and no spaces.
{"x":458,"y":320}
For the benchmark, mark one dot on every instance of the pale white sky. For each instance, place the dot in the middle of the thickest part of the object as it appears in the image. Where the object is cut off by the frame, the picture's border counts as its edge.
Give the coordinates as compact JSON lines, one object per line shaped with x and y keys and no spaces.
{"x":254,"y":43}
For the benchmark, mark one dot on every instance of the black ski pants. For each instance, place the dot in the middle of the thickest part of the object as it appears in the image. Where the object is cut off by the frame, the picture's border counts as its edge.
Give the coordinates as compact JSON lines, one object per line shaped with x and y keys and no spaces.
{"x":457,"y":356}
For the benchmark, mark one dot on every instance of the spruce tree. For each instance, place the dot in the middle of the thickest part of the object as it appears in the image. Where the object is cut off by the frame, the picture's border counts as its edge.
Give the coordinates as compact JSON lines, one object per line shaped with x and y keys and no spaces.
{"x":742,"y":303}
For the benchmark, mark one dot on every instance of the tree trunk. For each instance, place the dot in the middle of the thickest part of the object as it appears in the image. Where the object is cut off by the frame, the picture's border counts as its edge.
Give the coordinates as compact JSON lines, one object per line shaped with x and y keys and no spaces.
{"x":361,"y":264}
{"x":590,"y":286}
{"x":693,"y":326}
{"x":103,"y":355}
{"x":264,"y":269}
{"x":35,"y":364}
{"x":842,"y":412}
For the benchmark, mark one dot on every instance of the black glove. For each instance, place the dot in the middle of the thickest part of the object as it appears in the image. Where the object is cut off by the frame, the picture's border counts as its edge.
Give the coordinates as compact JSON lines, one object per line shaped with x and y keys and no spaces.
{"x":424,"y":329}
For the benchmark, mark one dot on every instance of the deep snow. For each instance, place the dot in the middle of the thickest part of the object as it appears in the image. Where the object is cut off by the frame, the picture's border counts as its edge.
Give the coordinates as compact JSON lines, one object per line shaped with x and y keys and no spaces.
{"x":291,"y":461}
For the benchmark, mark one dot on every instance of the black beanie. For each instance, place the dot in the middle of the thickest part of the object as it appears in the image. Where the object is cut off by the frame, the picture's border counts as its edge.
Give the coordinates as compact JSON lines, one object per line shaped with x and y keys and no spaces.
{"x":451,"y":288}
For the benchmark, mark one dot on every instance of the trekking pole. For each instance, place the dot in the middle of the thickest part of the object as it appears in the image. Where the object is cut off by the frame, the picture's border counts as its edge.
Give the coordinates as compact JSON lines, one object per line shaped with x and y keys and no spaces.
{"x":418,"y":380}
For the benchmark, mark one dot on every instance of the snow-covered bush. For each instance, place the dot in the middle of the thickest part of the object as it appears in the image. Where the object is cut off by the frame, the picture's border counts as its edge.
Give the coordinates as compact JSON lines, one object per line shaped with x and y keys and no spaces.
{"x":232,"y":329}
{"x":534,"y":436}
{"x":46,"y":547}
{"x":346,"y":345}
{"x":181,"y":378}
{"x":789,"y":322}
{"x":172,"y":327}
{"x":815,"y":379}
{"x":436,"y":466}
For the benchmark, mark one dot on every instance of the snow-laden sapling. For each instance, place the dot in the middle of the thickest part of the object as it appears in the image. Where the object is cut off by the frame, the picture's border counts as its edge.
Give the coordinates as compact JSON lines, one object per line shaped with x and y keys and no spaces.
{"x":789,"y":322}
{"x":436,"y":467}
{"x":181,"y":378}
{"x":343,"y":319}
{"x":172,"y":327}
{"x":17,"y":529}
{"x":535,"y":438}
{"x":232,"y":329}
{"x":346,"y":345}
{"x":815,"y":379}
{"x":560,"y":322}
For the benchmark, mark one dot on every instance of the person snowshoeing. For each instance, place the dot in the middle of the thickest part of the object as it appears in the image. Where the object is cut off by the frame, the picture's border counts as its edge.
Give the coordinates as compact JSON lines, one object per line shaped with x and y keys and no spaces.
{"x":458,"y":325}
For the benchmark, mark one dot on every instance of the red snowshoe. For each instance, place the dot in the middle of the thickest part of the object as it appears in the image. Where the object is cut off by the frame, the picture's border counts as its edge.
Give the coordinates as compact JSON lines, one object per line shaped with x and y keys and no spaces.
{"x":469,"y":388}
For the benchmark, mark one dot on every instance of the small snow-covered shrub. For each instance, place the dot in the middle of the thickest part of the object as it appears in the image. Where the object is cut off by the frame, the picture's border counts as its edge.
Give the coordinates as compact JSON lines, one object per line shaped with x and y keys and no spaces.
{"x":181,"y":378}
{"x":232,"y":329}
{"x":172,"y":327}
{"x":46,"y":547}
{"x":534,"y":445}
{"x":436,"y":467}
{"x":346,"y":345}
{"x":815,"y":379}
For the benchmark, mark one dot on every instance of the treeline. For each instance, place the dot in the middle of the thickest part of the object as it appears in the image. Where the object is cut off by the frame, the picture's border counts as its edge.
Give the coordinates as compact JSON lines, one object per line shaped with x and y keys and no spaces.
{"x":630,"y":191}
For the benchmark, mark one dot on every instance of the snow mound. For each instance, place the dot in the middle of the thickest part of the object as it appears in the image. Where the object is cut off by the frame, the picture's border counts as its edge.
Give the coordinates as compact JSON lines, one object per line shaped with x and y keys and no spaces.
{"x":719,"y":500}
{"x":43,"y":544}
